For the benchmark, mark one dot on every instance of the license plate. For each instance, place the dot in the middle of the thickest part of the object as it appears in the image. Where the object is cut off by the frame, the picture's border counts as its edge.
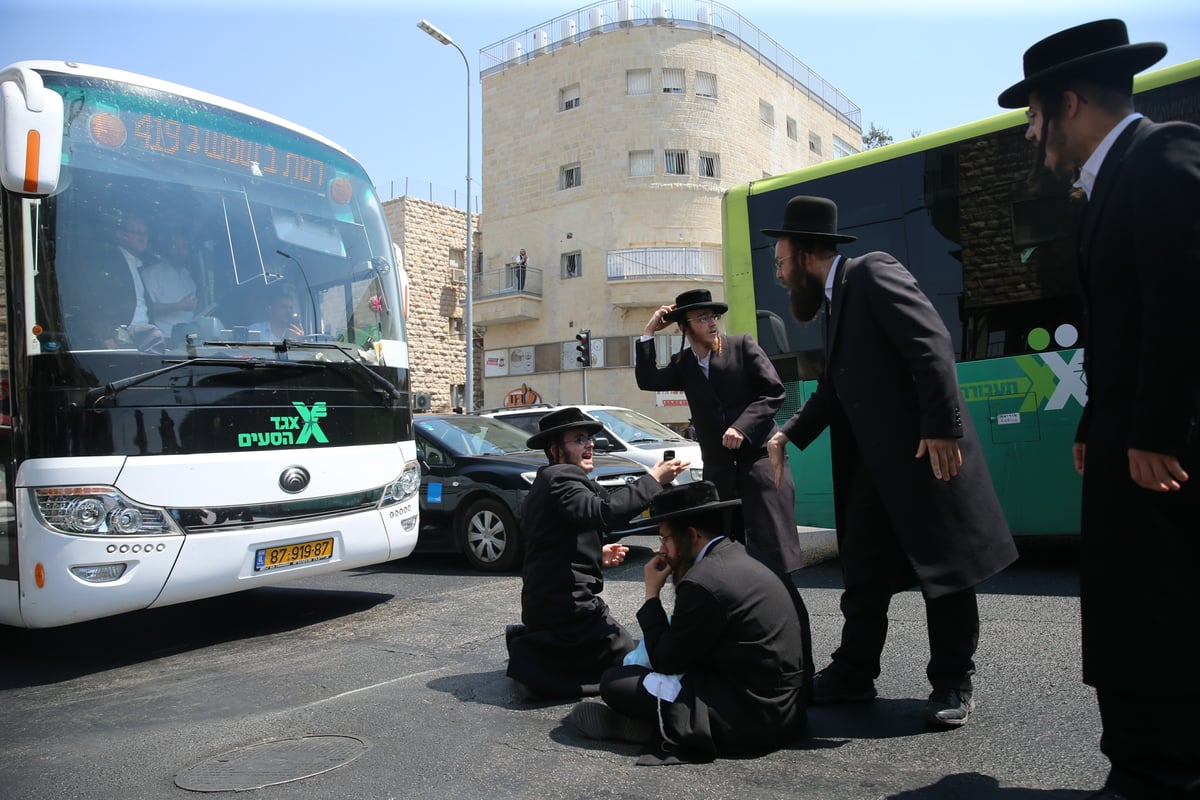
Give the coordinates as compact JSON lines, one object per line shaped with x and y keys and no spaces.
{"x":290,"y":554}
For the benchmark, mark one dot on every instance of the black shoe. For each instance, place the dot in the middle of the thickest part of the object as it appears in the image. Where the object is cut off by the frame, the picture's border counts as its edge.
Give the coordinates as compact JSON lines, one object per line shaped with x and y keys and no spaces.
{"x":832,"y":685}
{"x":598,"y":721}
{"x":949,"y":708}
{"x":512,"y":631}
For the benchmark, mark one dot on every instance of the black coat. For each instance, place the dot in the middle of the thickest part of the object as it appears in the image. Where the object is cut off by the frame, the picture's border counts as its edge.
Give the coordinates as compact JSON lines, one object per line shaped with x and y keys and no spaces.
{"x":890,"y":381}
{"x":571,"y":638}
{"x":742,"y":391}
{"x":736,"y":638}
{"x":1139,"y":266}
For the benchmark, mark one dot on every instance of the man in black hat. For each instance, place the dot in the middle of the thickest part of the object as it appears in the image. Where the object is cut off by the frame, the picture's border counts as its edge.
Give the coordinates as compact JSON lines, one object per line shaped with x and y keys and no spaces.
{"x":568,"y":637}
{"x":1138,"y":440}
{"x":914,"y":502}
{"x":728,"y":669}
{"x":733,"y":391}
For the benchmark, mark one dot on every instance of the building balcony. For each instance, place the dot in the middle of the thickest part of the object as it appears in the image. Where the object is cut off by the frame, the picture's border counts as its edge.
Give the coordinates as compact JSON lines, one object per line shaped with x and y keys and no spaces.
{"x":510,"y":294}
{"x":646,"y":277}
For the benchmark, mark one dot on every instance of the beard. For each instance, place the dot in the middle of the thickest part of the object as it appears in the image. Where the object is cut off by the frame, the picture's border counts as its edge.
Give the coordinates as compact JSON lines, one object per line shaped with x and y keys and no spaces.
{"x":684,"y":560}
{"x":805,"y":294}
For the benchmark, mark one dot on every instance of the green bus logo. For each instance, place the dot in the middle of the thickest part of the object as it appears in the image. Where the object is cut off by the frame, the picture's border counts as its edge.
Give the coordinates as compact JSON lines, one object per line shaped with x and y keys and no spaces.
{"x":298,"y":429}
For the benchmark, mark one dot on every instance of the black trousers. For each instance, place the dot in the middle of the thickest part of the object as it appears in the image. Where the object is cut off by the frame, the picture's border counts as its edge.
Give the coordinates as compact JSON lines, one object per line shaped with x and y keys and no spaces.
{"x":1151,"y":739}
{"x":874,"y":567}
{"x":623,"y":689}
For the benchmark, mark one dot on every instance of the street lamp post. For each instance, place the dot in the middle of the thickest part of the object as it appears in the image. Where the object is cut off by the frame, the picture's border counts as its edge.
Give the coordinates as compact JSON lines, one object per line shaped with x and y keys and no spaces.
{"x":436,"y":33}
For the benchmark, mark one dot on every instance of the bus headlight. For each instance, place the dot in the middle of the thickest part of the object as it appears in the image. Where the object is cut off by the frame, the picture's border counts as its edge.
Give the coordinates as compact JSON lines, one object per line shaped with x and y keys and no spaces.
{"x":404,"y":487}
{"x":98,"y":510}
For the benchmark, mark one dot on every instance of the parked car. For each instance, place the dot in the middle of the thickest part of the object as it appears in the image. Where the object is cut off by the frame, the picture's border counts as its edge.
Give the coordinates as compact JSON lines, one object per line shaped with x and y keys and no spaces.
{"x":626,"y":433}
{"x":475,"y":474}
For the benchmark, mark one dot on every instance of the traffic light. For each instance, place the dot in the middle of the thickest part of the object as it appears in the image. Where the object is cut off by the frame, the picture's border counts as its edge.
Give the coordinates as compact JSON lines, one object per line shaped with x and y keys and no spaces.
{"x":584,"y":347}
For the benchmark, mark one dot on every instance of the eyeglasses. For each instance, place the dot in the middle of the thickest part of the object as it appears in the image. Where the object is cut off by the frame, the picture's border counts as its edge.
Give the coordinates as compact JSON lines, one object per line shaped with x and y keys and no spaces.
{"x":705,"y":319}
{"x":582,"y":441}
{"x":780,"y":261}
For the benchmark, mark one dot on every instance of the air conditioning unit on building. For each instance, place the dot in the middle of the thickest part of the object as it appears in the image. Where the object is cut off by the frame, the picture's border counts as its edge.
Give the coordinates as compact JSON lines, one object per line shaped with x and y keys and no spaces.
{"x":458,"y":276}
{"x":422,"y":401}
{"x":514,"y":50}
{"x":568,"y":30}
{"x":704,"y":15}
{"x":662,"y":11}
{"x":540,"y":40}
{"x":596,"y":18}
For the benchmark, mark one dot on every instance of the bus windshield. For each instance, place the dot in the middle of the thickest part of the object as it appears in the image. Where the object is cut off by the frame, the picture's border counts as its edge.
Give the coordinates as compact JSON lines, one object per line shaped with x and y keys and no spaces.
{"x":180,"y":226}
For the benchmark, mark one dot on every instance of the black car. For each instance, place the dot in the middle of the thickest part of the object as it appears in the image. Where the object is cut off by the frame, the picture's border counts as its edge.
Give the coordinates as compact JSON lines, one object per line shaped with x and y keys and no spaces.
{"x":475,"y":474}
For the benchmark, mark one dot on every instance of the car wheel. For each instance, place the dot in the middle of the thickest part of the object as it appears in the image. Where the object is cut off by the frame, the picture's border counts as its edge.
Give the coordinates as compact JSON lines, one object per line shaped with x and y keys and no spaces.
{"x":488,"y":535}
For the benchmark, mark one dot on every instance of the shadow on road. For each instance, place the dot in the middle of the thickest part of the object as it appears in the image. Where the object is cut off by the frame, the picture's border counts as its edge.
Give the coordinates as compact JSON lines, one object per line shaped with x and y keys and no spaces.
{"x":51,"y":655}
{"x":982,"y":787}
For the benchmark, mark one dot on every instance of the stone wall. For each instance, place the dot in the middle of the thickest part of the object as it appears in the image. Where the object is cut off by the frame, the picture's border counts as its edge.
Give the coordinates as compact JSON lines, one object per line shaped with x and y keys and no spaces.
{"x":432,"y":238}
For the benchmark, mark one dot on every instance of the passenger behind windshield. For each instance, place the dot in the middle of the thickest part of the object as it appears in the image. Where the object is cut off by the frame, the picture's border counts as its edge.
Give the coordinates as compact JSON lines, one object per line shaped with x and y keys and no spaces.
{"x":283,"y":321}
{"x":170,"y":287}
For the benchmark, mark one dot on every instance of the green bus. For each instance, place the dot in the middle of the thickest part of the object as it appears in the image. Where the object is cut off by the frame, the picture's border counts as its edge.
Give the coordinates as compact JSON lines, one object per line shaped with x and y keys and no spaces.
{"x":990,"y":239}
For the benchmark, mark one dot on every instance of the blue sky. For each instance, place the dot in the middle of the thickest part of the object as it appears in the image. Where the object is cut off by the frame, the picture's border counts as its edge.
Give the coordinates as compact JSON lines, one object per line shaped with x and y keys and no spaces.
{"x":362,"y":74}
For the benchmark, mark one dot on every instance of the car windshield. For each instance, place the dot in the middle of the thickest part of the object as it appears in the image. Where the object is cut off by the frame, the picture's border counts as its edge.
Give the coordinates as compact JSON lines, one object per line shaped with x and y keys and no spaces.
{"x":470,"y":435}
{"x":632,"y":427}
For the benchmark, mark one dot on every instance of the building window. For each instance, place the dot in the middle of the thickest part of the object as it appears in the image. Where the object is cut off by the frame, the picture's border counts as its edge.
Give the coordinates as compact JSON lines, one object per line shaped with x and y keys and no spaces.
{"x":569,"y":177}
{"x":710,"y":165}
{"x":676,"y":162}
{"x":572,"y":264}
{"x":637,"y":81}
{"x":456,"y":328}
{"x":791,"y":129}
{"x":766,"y":113}
{"x":814,"y":143}
{"x":841,"y":149}
{"x":672,"y":81}
{"x":568,"y":98}
{"x":706,"y":85}
{"x":641,"y":162}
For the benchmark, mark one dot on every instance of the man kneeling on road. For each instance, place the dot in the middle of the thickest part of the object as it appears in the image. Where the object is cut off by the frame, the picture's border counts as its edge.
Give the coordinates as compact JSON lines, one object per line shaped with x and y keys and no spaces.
{"x":728,"y":670}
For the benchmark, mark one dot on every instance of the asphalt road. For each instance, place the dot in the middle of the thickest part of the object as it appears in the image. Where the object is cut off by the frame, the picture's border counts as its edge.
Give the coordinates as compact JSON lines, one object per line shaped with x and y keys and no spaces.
{"x":406,"y":661}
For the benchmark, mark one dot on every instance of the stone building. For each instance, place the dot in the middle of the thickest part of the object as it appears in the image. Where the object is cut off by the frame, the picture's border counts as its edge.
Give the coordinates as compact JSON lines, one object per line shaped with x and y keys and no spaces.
{"x":432,"y":238}
{"x":609,"y":139}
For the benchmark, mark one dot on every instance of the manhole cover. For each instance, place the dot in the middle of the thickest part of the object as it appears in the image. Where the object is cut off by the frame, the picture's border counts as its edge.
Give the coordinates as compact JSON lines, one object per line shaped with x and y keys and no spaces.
{"x":271,"y":763}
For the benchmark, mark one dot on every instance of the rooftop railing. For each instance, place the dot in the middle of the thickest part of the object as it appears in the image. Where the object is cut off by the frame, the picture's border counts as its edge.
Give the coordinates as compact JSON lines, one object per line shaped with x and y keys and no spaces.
{"x":720,"y":21}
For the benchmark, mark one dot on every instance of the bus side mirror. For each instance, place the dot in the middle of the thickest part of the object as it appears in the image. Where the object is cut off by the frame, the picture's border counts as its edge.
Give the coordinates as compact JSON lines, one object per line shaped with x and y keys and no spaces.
{"x":31,"y":133}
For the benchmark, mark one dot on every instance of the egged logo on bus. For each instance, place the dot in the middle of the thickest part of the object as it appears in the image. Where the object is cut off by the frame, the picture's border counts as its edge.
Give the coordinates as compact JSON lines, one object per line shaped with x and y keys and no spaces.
{"x":298,"y":429}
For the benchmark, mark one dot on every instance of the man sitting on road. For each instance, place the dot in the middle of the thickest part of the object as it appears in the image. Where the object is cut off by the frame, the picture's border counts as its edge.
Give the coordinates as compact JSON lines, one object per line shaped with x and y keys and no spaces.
{"x":728,"y":671}
{"x":568,"y":637}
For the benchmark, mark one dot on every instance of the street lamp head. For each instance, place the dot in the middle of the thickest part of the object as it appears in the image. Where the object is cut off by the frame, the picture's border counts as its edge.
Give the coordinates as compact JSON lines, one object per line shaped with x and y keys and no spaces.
{"x":434,"y":31}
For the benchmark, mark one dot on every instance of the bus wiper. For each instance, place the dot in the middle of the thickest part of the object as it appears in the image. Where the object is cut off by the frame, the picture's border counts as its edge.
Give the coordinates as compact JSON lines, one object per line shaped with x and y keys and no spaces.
{"x":383,"y":383}
{"x":98,"y":393}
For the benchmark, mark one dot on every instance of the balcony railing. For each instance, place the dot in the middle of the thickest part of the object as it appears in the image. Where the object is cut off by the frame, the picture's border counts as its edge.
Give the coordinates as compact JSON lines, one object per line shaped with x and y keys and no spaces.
{"x":507,"y":281}
{"x":720,"y":21}
{"x":663,"y":263}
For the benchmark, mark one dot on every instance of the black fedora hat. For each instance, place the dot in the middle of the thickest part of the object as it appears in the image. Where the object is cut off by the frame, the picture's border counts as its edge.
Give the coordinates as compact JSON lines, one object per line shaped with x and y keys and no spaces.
{"x":1098,"y":49}
{"x":693,"y":300}
{"x":690,"y":499}
{"x":558,"y":421}
{"x":810,"y":218}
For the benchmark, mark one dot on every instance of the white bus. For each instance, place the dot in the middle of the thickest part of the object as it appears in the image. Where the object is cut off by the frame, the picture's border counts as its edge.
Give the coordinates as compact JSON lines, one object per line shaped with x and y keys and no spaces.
{"x":204,"y":365}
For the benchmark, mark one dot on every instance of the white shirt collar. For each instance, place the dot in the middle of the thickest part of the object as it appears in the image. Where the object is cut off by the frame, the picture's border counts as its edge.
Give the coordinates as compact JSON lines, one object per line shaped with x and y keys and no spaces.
{"x":703,"y":552}
{"x":829,"y":278}
{"x":1091,"y":167}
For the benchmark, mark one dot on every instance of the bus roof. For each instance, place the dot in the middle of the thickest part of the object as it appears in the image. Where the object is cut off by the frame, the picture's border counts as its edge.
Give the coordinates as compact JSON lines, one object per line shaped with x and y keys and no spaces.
{"x":1008,"y":119}
{"x":108,"y":73}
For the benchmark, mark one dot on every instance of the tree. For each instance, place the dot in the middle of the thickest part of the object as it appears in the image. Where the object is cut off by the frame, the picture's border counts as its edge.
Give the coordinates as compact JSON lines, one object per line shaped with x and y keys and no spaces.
{"x":876,"y":137}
